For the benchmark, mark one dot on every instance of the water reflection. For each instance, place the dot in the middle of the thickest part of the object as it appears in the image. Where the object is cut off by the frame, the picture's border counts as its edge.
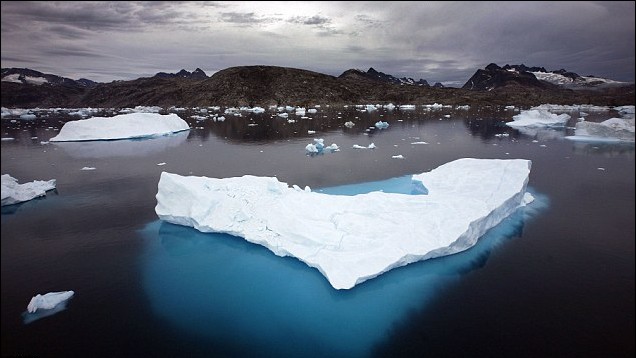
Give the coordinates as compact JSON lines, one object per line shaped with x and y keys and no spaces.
{"x":236,"y":294}
{"x":122,"y":148}
{"x":609,"y":149}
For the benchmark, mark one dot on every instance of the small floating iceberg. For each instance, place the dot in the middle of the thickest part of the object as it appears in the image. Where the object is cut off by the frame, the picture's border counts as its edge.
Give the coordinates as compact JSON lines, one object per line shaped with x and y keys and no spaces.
{"x":42,"y":306}
{"x":611,"y":130}
{"x":13,"y":193}
{"x":48,"y":301}
{"x":124,"y":126}
{"x":538,"y":118}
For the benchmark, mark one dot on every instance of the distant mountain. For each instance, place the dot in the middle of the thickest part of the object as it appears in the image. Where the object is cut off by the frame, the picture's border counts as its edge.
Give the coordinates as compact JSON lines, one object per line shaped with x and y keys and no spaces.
{"x":272,"y":85}
{"x":374,"y":75}
{"x":23,"y":87}
{"x":494,"y":77}
{"x":36,"y":78}
{"x":197,"y":74}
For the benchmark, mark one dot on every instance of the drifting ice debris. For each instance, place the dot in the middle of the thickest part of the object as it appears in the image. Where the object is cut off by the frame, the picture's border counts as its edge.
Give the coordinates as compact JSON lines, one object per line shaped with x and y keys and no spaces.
{"x":381,"y":125}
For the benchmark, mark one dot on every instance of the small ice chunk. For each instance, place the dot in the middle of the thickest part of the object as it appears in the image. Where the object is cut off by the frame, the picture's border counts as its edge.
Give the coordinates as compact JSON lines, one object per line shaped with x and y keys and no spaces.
{"x":399,"y":156}
{"x":381,"y":125}
{"x":48,"y":301}
{"x":13,"y":193}
{"x":88,"y":168}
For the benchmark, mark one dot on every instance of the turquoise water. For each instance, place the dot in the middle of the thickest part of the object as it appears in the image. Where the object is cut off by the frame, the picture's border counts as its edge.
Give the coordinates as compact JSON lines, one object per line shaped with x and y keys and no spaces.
{"x":222,"y":288}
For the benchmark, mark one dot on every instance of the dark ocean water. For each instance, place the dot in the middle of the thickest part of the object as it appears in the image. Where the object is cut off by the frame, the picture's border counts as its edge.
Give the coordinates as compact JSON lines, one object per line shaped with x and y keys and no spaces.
{"x":556,"y":279}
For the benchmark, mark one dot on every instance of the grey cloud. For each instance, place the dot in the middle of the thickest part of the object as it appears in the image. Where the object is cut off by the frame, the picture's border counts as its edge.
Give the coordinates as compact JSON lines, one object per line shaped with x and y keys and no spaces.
{"x":246,"y":18}
{"x":313,"y":20}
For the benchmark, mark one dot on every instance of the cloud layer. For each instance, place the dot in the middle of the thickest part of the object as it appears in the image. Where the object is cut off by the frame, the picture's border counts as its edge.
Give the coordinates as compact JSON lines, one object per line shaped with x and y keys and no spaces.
{"x":437,"y":41}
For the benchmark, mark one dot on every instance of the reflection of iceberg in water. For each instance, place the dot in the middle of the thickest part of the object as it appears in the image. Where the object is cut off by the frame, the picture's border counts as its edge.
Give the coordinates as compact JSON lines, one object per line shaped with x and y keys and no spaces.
{"x":605,"y":148}
{"x":227,"y":291}
{"x":542,"y":133}
{"x":123,"y":147}
{"x":28,"y":317}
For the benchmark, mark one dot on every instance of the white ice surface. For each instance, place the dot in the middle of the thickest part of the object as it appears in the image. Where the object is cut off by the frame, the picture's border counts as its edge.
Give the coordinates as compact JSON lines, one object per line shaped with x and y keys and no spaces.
{"x":13,"y":193}
{"x":538,"y":118}
{"x":611,"y":130}
{"x":48,"y":301}
{"x":351,"y":239}
{"x":132,"y":125}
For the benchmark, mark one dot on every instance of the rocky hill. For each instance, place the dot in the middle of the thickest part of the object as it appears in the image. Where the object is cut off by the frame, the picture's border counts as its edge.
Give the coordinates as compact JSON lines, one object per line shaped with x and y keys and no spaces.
{"x":374,"y":75}
{"x":494,"y":77}
{"x":272,"y":85}
{"x":197,"y":74}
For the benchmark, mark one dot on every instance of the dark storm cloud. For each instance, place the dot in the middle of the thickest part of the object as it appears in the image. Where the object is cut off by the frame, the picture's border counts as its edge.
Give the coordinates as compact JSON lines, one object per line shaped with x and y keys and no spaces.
{"x":437,"y":41}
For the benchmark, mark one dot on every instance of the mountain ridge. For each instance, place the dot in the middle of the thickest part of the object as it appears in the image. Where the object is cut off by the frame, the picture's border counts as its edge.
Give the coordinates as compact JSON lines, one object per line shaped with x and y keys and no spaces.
{"x":269,"y":85}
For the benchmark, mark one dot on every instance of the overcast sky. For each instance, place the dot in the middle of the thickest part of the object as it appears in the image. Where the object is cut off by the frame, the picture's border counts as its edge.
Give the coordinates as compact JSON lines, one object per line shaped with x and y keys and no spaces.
{"x":437,"y":41}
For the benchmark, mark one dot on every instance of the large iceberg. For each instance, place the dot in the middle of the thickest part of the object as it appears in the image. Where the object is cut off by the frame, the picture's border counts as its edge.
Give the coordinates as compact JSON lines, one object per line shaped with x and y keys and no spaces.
{"x":124,"y":126}
{"x":13,"y":193}
{"x":351,"y":239}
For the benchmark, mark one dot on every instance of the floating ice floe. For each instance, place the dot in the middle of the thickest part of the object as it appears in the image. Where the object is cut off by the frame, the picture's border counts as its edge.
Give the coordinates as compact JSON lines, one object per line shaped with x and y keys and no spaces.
{"x":407,"y":106}
{"x":399,"y":156}
{"x":351,"y":239}
{"x":349,"y":124}
{"x":124,"y":126}
{"x":538,"y":118}
{"x":611,"y":130}
{"x":381,"y":125}
{"x":48,"y":301}
{"x":370,"y":146}
{"x":319,"y":147}
{"x":13,"y":193}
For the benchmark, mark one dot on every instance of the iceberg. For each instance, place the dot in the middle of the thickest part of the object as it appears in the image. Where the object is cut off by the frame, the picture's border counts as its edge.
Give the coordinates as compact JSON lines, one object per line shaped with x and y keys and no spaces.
{"x":538,"y":118}
{"x":13,"y":193}
{"x":351,"y":239}
{"x":48,"y":301}
{"x":124,"y":126}
{"x":611,"y":130}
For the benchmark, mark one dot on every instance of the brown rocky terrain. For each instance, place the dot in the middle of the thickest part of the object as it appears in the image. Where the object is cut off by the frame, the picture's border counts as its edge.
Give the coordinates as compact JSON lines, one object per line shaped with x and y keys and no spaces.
{"x":271,"y":85}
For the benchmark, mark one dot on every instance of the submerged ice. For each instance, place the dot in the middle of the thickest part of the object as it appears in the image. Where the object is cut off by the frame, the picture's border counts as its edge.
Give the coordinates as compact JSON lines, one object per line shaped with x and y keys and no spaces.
{"x":351,"y":239}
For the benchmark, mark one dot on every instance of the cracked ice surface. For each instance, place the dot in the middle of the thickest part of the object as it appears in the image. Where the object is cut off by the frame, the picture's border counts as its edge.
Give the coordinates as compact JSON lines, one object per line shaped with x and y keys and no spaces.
{"x":351,"y":239}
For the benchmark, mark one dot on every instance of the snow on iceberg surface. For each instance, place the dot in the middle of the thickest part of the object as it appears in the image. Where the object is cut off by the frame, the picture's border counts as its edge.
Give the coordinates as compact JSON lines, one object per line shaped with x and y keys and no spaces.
{"x":351,"y":239}
{"x":48,"y":301}
{"x":538,"y":118}
{"x":132,"y":125}
{"x":13,"y":193}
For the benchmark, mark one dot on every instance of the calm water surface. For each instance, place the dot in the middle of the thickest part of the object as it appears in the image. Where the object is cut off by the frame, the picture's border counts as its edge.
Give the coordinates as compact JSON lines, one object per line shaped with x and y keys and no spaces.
{"x":556,"y":279}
